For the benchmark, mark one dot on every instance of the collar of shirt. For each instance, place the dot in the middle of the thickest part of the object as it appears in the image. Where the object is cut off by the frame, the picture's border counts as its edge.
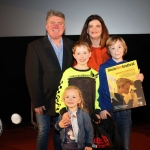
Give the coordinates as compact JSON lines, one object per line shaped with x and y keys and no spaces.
{"x":50,"y":39}
{"x":73,"y":114}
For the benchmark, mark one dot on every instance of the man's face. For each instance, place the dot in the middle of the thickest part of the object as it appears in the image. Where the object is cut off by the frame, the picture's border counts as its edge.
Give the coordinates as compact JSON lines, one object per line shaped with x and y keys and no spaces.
{"x":55,"y":27}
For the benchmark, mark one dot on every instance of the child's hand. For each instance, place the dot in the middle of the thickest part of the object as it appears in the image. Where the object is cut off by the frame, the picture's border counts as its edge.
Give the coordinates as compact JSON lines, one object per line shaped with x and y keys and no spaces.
{"x":96,"y":118}
{"x":63,"y":123}
{"x":140,"y":76}
{"x":88,"y":148}
{"x":104,"y":114}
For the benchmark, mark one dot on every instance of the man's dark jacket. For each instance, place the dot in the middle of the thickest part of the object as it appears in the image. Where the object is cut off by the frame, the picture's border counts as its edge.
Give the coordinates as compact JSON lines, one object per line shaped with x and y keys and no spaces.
{"x":43,"y":72}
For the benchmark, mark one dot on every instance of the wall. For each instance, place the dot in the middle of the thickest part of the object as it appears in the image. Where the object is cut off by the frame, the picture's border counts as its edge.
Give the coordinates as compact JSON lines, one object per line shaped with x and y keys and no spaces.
{"x":27,"y":18}
{"x":14,"y":93}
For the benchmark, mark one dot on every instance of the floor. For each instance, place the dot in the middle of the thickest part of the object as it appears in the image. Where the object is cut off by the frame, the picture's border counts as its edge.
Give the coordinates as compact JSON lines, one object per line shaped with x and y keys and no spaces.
{"x":24,"y":137}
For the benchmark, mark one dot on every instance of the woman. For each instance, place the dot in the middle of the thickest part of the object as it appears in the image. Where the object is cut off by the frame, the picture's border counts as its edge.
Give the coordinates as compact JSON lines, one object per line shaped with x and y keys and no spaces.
{"x":95,"y":33}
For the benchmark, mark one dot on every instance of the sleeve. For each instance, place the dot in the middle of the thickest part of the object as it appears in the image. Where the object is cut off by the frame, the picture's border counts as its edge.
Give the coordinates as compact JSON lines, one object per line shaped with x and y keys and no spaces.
{"x":97,"y":105}
{"x":32,"y":66}
{"x":57,"y":127}
{"x":59,"y":104}
{"x":89,"y":133}
{"x":100,"y":90}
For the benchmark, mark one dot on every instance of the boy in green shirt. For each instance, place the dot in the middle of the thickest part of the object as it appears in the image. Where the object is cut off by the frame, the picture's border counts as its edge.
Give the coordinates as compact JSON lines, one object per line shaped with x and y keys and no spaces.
{"x":82,"y":76}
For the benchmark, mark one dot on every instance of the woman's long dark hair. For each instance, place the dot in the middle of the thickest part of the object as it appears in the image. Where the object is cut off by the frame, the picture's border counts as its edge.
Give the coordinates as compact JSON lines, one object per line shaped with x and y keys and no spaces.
{"x":85,"y":36}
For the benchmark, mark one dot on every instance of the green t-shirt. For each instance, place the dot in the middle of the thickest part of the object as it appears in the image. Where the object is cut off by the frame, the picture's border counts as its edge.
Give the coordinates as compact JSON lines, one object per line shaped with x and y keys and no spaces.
{"x":86,"y":80}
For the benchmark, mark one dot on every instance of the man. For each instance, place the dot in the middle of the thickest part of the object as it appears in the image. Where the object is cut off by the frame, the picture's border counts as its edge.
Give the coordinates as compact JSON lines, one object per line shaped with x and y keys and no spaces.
{"x":46,"y":60}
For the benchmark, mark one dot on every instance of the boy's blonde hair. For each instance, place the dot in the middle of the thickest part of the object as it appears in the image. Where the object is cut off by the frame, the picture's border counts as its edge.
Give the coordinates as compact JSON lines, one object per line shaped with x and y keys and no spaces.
{"x":82,"y":103}
{"x":122,"y":81}
{"x":112,"y":40}
{"x":80,"y":43}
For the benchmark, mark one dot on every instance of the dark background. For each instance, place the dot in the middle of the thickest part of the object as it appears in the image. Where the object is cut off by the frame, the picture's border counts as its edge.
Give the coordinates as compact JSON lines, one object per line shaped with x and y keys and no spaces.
{"x":14,"y":97}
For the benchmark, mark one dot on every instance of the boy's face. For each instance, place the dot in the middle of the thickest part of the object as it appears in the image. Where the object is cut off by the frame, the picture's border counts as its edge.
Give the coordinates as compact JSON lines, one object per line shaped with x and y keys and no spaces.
{"x":82,"y":55}
{"x":117,"y":51}
{"x":72,"y":98}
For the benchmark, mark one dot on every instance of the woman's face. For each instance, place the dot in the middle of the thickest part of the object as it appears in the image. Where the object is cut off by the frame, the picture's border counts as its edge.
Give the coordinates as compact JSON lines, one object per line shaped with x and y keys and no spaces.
{"x":94,"y":29}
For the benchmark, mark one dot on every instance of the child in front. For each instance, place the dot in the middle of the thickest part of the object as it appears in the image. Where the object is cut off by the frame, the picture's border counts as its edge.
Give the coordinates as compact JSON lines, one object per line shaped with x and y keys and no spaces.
{"x":116,"y":48}
{"x":79,"y":134}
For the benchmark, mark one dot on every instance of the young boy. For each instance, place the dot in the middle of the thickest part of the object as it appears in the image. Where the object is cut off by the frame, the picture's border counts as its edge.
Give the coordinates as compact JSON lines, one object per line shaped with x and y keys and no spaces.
{"x":116,"y":48}
{"x":79,"y":134}
{"x":85,"y":78}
